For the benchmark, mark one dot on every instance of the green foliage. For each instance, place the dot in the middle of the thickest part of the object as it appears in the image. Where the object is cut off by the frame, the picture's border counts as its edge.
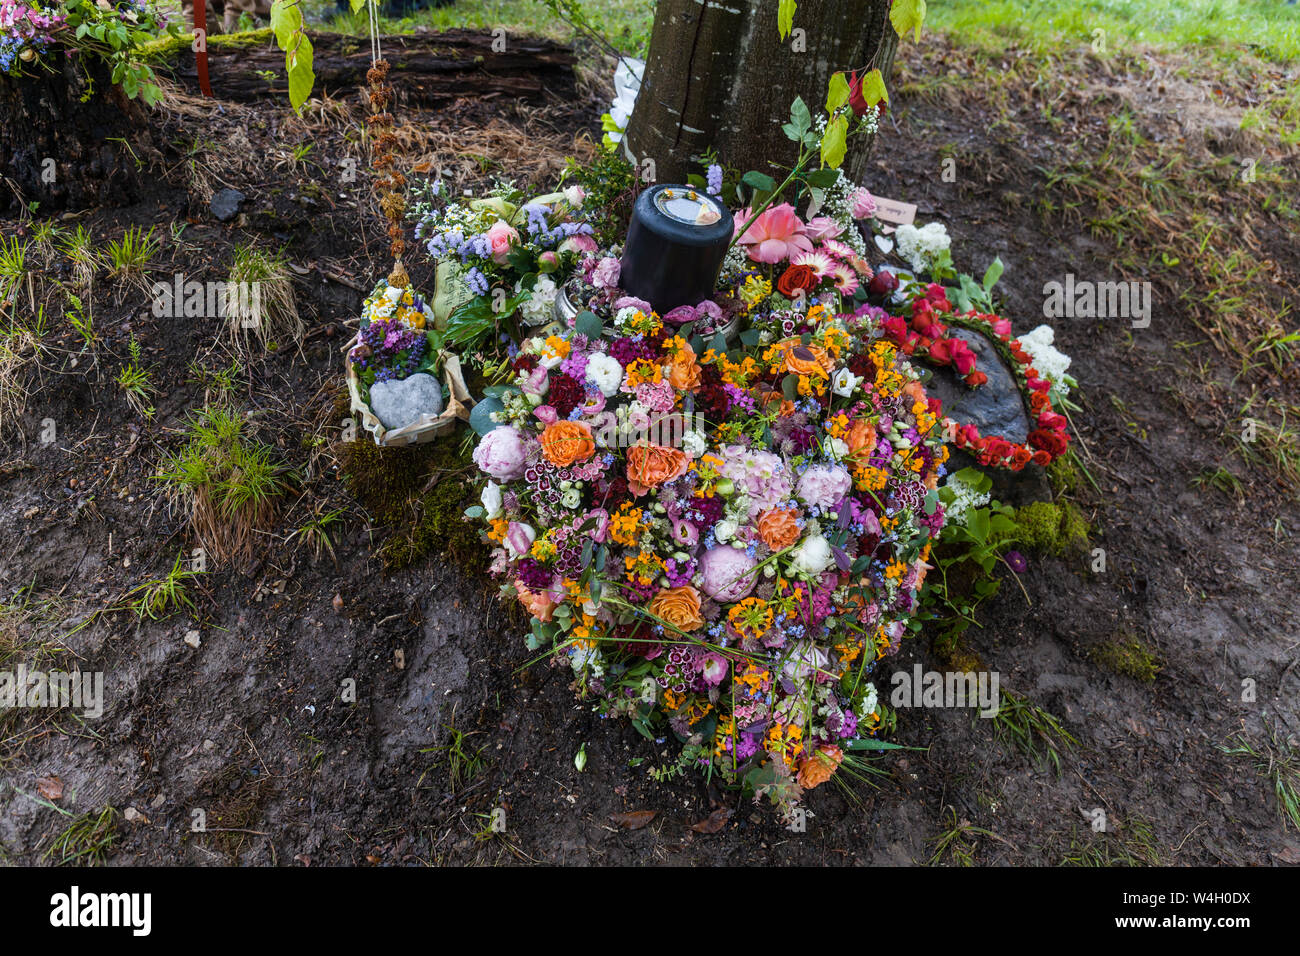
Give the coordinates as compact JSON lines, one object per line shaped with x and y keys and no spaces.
{"x":610,"y":183}
{"x":291,"y":36}
{"x":136,"y":383}
{"x":162,"y":597}
{"x":1277,"y":760}
{"x":229,"y":482}
{"x":86,"y":840}
{"x":908,"y":15}
{"x":1032,"y":730}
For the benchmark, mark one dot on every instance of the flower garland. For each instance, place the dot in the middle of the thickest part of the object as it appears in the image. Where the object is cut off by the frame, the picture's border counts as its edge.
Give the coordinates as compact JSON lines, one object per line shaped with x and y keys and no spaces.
{"x":929,"y":337}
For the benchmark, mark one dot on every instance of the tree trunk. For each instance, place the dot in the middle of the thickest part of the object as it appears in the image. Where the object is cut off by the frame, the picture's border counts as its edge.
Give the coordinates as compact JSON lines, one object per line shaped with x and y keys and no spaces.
{"x":718,"y":74}
{"x":70,"y":139}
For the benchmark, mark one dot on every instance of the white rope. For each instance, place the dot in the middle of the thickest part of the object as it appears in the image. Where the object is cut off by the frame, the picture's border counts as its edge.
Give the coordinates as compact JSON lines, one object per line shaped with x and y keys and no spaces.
{"x":376,"y":54}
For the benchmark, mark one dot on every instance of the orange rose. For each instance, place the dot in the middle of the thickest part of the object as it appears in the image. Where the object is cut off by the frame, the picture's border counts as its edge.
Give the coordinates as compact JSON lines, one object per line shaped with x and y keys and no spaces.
{"x":649,"y":466}
{"x":540,"y":604}
{"x":684,"y":372}
{"x":680,"y":607}
{"x":563,"y":443}
{"x":809,"y":360}
{"x":819,"y":766}
{"x":778,"y":529}
{"x":861,"y":440}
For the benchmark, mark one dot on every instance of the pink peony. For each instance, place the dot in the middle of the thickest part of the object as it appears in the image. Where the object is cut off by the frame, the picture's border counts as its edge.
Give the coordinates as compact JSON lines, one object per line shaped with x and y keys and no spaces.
{"x":606,"y":274}
{"x":774,"y":236}
{"x":501,"y":237}
{"x":726,"y":574}
{"x":824,"y":485}
{"x":501,"y":454}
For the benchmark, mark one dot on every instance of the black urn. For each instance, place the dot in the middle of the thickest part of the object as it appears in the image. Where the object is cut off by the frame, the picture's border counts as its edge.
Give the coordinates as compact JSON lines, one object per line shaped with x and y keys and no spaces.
{"x":675,"y":246}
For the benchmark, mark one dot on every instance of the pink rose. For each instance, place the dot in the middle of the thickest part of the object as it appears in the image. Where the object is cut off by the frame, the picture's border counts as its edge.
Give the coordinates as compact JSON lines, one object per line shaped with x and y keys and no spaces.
{"x":823,"y":228}
{"x":501,"y":454}
{"x":546,"y":414}
{"x":501,"y":237}
{"x":726,"y":574}
{"x":548,"y":261}
{"x":537,"y":383}
{"x":864,"y":206}
{"x":822,"y":486}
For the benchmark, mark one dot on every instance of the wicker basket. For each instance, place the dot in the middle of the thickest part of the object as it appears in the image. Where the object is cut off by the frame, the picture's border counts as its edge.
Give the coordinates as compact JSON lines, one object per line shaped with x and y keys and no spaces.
{"x":429,"y":427}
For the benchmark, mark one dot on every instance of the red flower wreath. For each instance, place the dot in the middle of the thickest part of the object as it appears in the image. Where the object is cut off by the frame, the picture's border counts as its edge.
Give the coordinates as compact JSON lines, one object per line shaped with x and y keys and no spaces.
{"x":928,"y":336}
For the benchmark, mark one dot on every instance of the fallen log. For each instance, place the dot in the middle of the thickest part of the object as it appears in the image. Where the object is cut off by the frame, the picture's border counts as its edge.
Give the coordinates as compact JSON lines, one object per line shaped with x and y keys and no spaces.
{"x":428,"y":69}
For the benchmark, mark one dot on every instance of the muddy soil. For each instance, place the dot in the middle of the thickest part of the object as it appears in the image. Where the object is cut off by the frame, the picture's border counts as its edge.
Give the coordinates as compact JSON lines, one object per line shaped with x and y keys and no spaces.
{"x":335,"y":712}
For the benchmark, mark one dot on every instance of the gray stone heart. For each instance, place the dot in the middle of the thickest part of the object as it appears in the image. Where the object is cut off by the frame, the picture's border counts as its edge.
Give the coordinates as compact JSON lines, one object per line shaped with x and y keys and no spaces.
{"x":404,"y":402}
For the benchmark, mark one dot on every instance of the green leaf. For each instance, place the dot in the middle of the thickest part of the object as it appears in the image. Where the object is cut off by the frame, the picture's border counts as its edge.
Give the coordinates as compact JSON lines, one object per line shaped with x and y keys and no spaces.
{"x":760,"y":181}
{"x":993,"y":273}
{"x":835,"y":142}
{"x":908,"y":15}
{"x":873,"y":88}
{"x":800,"y":117}
{"x":588,"y":324}
{"x":871,"y":743}
{"x":301,"y":76}
{"x":357,"y":5}
{"x":790,"y":387}
{"x":822,"y":178}
{"x":474,"y":512}
{"x":785,"y":17}
{"x":839,"y":93}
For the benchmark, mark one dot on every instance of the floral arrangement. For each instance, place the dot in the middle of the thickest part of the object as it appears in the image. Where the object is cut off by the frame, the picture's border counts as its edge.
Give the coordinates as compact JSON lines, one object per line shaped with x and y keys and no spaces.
{"x":504,"y":241}
{"x":736,"y":583}
{"x":394,"y":339}
{"x":114,"y":32}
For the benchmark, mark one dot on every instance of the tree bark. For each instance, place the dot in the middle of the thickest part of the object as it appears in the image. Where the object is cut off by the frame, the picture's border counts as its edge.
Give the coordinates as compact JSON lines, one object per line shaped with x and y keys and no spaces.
{"x":718,"y":74}
{"x":70,"y":139}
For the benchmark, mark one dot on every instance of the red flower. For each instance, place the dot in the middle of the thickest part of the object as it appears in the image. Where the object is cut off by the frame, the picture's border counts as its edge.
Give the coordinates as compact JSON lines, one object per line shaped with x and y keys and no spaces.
{"x":1052,"y":420}
{"x":962,"y":357}
{"x":1041,"y":458}
{"x":796,"y":279}
{"x":976,"y":378}
{"x":941,"y":352}
{"x":1049,"y":440}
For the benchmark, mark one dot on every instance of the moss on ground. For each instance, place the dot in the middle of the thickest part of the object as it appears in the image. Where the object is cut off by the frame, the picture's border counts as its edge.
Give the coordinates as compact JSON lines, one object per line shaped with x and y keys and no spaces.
{"x":1064,"y":477}
{"x":1127,"y":656}
{"x":1052,"y":527}
{"x":420,"y":494}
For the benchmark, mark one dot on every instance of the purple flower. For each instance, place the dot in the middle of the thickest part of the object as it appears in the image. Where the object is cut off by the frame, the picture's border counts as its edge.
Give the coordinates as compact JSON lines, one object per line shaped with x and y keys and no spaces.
{"x":1017,"y":562}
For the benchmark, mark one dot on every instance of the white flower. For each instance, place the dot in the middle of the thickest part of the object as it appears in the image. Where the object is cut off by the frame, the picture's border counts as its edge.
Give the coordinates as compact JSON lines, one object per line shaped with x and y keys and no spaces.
{"x":921,"y":247}
{"x":693,"y":444}
{"x":605,"y":373}
{"x":812,"y":556}
{"x":965,"y":498}
{"x":870,"y":697}
{"x":491,"y":498}
{"x":539,"y":308}
{"x":622,"y":316}
{"x":571,"y":498}
{"x":844,"y":383}
{"x":723,"y":530}
{"x":837,"y":449}
{"x":1050,"y":363}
